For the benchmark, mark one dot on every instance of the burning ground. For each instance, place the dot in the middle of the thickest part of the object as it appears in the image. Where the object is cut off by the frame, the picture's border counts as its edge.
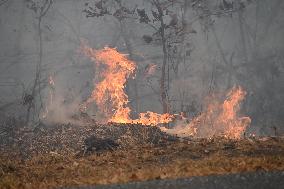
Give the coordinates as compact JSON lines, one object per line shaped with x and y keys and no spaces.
{"x":221,"y":117}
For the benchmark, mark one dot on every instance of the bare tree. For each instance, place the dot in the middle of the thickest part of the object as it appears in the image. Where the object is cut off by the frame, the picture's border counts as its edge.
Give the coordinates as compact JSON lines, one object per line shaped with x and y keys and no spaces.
{"x":170,"y":30}
{"x":40,"y":8}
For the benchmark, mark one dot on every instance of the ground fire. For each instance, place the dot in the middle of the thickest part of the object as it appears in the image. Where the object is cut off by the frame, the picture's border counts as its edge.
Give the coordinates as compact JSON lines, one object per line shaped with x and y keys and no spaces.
{"x":166,"y":94}
{"x":220,"y":118}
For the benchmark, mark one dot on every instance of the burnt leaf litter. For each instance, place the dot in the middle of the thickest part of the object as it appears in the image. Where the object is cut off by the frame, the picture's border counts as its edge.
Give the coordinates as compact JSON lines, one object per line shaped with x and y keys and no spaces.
{"x":62,"y":155}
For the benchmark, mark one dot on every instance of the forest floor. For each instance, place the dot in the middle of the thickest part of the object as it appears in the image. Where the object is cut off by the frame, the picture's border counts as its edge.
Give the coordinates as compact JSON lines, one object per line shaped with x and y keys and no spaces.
{"x":68,"y":155}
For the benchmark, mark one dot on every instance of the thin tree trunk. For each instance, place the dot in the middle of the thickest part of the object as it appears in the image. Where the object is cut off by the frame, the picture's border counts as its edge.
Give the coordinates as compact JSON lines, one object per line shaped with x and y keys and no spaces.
{"x":219,"y":46}
{"x":274,"y":12}
{"x":185,"y":29}
{"x":38,"y":73}
{"x":243,"y":37}
{"x":228,"y":64}
{"x":36,"y":89}
{"x":165,"y":58}
{"x":255,"y":37}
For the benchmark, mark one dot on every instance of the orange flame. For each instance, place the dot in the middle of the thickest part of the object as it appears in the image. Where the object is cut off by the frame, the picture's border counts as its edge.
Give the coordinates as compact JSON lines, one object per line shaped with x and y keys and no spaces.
{"x":218,"y":119}
{"x":234,"y":126}
{"x":111,"y":88}
{"x":109,"y":93}
{"x":152,"y":118}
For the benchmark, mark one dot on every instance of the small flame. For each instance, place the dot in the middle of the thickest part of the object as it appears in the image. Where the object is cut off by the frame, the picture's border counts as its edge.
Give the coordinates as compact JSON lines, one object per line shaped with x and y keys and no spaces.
{"x":152,"y":118}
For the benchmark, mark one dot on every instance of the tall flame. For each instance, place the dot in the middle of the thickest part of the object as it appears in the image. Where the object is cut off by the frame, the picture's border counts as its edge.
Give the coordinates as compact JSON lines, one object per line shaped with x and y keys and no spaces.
{"x":109,"y":93}
{"x":234,"y":126}
{"x":111,"y":89}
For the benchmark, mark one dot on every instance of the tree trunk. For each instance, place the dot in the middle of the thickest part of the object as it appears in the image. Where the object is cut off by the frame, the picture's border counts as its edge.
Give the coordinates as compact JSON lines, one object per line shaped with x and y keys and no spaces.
{"x":36,"y":89}
{"x":165,"y":58}
{"x":243,"y":37}
{"x":37,"y":75}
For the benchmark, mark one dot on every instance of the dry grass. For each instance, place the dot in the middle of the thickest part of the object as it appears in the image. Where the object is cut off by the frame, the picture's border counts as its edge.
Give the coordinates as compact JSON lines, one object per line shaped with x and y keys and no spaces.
{"x":144,"y":162}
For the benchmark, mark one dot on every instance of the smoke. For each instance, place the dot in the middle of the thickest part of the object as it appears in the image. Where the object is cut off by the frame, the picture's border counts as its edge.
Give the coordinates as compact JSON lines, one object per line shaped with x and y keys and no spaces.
{"x":61,"y":111}
{"x":212,"y":59}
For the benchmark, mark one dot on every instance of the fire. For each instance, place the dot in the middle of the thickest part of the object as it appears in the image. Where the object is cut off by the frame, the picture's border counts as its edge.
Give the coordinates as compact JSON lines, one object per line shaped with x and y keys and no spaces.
{"x":219,"y":118}
{"x":234,"y":125}
{"x":152,"y":118}
{"x":109,"y":93}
